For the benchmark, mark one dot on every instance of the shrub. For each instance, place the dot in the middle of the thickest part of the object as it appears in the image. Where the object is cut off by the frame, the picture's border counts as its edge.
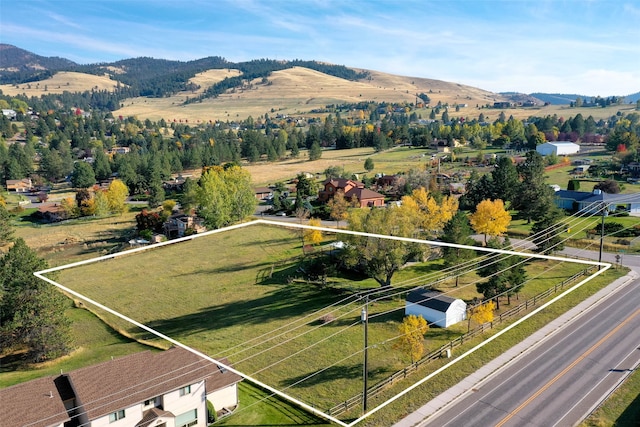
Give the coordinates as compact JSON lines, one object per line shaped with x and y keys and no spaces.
{"x":327,"y":318}
{"x":212,"y":415}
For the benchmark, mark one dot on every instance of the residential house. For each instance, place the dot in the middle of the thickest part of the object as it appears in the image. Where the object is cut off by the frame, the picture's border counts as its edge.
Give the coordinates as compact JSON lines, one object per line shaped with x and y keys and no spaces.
{"x":9,"y":113}
{"x":119,"y":150}
{"x":169,"y":389}
{"x":178,"y":224}
{"x":263,"y":193}
{"x":634,"y":169}
{"x":352,"y":189}
{"x":436,"y":308}
{"x":20,"y":185}
{"x":592,"y":202}
{"x":51,"y":212}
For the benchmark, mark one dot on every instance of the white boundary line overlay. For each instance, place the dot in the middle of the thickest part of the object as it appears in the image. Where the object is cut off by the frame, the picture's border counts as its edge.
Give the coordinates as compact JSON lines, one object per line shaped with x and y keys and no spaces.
{"x":40,"y":274}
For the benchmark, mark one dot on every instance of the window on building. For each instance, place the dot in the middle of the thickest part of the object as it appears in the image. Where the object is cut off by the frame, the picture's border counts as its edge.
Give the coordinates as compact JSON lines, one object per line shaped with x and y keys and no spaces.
{"x":118,"y":415}
{"x":185,"y":390}
{"x":188,"y":419}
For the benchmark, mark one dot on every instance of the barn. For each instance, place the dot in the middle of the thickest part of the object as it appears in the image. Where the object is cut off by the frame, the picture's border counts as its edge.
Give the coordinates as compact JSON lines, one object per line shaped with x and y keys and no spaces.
{"x":559,"y":148}
{"x":436,"y":308}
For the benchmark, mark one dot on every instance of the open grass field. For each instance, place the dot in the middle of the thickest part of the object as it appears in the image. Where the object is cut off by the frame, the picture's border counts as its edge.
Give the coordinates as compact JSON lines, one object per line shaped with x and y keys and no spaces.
{"x":231,"y":295}
{"x":78,"y":239}
{"x":387,"y":162}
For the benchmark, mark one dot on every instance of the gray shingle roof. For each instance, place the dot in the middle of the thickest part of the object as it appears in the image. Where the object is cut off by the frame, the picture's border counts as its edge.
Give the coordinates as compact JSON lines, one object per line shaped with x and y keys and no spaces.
{"x":110,"y":386}
{"x":126,"y":381}
{"x":35,"y":403}
{"x":430,"y":299}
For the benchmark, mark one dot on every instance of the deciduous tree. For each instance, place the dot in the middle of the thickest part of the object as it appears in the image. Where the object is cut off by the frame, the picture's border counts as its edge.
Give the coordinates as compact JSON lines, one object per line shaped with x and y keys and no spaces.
{"x":411,"y":339}
{"x":432,"y":216}
{"x":481,"y":314}
{"x":490,"y":218}
{"x":310,"y":236}
{"x":117,"y":196}
{"x":380,"y":258}
{"x":338,"y":206}
{"x":608,"y":186}
{"x":225,"y":196}
{"x":83,"y":175}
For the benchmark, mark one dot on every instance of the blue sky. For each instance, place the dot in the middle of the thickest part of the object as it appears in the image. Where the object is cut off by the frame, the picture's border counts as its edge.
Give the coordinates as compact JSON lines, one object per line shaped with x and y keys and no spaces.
{"x":588,"y":47}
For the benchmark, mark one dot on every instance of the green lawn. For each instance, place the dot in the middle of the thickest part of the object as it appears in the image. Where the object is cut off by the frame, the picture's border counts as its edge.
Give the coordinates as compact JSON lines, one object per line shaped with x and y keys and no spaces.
{"x":215,"y":294}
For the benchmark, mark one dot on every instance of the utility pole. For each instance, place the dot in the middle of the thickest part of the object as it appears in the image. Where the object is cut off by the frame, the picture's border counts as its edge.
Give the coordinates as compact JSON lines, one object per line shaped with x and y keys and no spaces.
{"x":604,"y":212}
{"x":365,"y":369}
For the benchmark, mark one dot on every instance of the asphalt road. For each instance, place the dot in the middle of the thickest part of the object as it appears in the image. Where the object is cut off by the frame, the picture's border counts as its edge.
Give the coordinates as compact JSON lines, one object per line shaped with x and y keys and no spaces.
{"x":562,"y":379}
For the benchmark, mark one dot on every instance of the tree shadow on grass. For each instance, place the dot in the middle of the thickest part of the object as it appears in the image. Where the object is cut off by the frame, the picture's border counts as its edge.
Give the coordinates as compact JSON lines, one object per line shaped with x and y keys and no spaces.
{"x":338,"y":372}
{"x":292,"y":301}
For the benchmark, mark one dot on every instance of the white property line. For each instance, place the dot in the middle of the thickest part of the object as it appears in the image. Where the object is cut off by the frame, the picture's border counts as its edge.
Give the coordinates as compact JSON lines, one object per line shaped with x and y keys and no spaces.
{"x":40,"y":275}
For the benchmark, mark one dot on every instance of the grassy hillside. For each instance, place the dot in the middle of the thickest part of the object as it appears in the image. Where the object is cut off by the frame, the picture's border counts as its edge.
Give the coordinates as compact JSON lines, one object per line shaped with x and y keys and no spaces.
{"x":61,"y":82}
{"x":297,"y":91}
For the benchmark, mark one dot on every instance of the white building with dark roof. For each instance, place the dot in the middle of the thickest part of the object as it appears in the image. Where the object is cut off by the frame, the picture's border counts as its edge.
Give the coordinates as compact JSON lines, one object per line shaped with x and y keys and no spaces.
{"x":436,"y":308}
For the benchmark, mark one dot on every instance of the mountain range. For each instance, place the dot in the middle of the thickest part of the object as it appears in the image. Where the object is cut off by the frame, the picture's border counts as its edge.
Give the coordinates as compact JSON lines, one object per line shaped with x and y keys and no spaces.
{"x":158,"y":78}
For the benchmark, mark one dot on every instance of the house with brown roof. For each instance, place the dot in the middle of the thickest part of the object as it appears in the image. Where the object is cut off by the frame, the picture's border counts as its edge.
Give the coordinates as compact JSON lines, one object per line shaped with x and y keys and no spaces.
{"x":263,"y":193}
{"x":20,"y":185}
{"x":169,"y":388}
{"x":352,"y":189}
{"x":178,"y":225}
{"x":51,"y":212}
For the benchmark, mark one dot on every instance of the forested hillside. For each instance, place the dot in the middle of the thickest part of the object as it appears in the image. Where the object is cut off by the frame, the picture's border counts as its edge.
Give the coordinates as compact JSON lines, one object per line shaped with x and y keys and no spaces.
{"x":150,"y":77}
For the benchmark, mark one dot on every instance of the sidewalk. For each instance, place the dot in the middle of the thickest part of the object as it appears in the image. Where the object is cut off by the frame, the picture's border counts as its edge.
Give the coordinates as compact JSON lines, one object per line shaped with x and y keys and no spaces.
{"x":475,"y":379}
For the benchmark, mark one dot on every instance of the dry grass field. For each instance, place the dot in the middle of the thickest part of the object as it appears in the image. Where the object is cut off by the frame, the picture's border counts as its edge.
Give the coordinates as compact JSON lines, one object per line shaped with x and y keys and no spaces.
{"x":61,"y":82}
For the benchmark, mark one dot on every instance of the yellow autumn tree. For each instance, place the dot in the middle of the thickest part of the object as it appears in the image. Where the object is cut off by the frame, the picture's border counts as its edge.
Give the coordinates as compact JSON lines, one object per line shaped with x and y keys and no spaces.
{"x":411,"y":339}
{"x":117,"y":196}
{"x":490,"y":218}
{"x":310,"y":236}
{"x":338,"y":206}
{"x":69,"y":207}
{"x":432,"y":215}
{"x":482,"y":313}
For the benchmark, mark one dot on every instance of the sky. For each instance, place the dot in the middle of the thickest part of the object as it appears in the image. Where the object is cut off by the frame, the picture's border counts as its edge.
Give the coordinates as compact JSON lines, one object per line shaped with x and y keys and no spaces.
{"x":586,"y":47}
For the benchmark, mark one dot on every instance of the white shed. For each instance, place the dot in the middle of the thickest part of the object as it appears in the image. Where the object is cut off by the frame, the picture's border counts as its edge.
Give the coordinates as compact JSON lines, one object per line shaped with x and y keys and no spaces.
{"x":559,"y":148}
{"x":436,"y":308}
